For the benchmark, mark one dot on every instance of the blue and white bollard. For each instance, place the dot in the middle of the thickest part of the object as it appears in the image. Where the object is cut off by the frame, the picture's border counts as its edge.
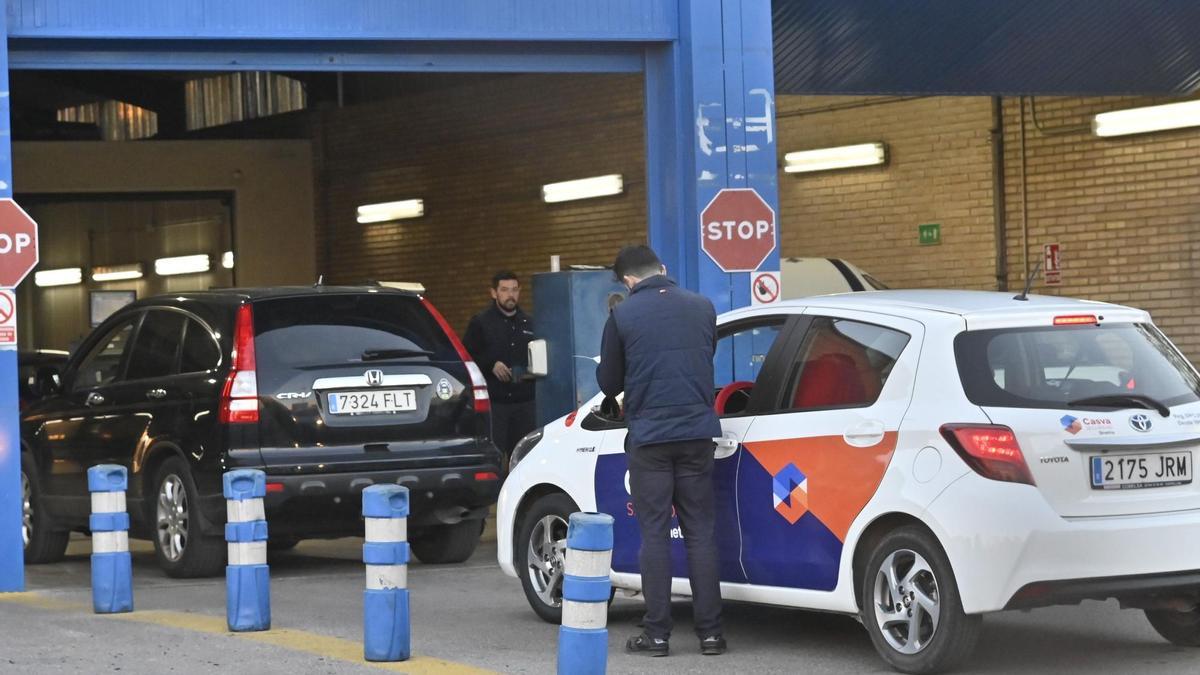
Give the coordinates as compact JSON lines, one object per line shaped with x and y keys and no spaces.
{"x":112,"y":573}
{"x":386,"y":629}
{"x":247,"y":579}
{"x":583,"y":637}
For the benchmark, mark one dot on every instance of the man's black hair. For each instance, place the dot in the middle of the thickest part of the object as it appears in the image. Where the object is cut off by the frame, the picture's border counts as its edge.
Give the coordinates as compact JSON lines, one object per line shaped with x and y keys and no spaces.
{"x":636,"y":261}
{"x":503,"y":275}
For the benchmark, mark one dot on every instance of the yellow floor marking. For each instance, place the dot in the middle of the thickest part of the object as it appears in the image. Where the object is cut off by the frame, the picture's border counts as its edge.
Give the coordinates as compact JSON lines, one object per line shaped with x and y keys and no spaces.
{"x":288,"y":638}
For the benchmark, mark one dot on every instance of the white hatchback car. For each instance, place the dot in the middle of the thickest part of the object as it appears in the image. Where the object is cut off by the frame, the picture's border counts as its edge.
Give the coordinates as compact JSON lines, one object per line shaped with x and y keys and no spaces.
{"x":916,"y":459}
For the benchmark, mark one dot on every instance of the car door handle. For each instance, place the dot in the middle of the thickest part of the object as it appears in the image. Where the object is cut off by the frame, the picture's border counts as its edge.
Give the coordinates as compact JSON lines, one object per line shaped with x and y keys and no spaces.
{"x":156,"y":393}
{"x":864,"y":434}
{"x":726,"y":445}
{"x":94,"y":399}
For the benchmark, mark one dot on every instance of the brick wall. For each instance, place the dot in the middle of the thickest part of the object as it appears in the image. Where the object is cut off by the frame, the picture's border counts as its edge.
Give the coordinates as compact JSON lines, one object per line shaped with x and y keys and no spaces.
{"x":478,"y":155}
{"x":1125,"y":210}
{"x":939,"y":171}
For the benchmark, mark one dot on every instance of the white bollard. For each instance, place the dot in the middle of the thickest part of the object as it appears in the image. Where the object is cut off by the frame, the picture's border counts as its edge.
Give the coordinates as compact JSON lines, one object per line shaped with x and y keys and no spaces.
{"x":112,"y":571}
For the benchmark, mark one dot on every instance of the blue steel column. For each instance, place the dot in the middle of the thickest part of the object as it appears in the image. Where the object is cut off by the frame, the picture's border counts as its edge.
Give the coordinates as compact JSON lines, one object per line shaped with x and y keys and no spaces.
{"x":710,"y":124}
{"x":12,"y":548}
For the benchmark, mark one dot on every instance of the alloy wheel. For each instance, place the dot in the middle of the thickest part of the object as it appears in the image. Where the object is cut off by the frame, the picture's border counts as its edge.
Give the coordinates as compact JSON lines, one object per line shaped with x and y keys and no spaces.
{"x":546,"y":558}
{"x":172,"y":518}
{"x":907,"y":601}
{"x":26,"y":509}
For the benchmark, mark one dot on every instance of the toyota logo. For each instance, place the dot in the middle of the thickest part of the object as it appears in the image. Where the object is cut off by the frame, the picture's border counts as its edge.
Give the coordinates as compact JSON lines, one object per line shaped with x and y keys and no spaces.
{"x":1140,"y":422}
{"x":374,"y":377}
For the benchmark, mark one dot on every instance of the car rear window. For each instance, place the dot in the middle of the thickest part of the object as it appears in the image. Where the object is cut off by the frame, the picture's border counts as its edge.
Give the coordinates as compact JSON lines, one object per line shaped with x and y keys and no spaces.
{"x":1051,"y":367}
{"x":334,"y":329}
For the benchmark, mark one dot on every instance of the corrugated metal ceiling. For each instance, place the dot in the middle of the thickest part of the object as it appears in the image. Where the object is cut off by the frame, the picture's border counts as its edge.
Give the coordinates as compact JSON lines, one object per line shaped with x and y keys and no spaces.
{"x":1001,"y":47}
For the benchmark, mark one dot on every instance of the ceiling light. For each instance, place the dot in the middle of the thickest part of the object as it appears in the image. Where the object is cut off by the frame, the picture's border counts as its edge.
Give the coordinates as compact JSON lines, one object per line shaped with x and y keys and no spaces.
{"x":186,"y":264}
{"x":385,"y":211}
{"x":584,"y":188}
{"x":65,"y":276}
{"x":1143,"y":120}
{"x":841,"y":157}
{"x":227,"y":260}
{"x":117,"y":272}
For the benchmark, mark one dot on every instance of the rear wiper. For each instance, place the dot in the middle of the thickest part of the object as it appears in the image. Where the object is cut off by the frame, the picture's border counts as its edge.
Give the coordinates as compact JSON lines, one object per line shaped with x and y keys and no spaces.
{"x":378,"y":354}
{"x":1122,"y":400}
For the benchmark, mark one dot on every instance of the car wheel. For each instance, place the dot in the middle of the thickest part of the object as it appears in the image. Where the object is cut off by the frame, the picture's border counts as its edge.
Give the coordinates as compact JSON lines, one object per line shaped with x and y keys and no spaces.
{"x":1180,"y":628}
{"x":43,"y":542}
{"x":182,"y":550}
{"x":443,"y":544}
{"x":911,"y":607}
{"x":540,"y":554}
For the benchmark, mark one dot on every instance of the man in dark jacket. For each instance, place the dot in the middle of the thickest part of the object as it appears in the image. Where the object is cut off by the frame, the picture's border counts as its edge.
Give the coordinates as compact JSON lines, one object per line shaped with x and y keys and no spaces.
{"x":658,"y":348}
{"x":498,"y":340}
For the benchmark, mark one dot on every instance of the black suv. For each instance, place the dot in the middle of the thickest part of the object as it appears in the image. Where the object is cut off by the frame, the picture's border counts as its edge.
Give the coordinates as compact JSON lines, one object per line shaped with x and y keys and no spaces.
{"x":327,"y":389}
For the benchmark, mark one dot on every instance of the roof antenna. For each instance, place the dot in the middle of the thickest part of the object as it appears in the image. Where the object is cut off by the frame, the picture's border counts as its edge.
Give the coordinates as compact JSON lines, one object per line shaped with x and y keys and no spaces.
{"x":320,"y":280}
{"x":1024,"y":296}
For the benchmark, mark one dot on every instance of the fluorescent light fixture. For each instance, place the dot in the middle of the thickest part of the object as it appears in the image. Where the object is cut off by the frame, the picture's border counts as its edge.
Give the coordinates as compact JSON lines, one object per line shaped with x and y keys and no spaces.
{"x":184,"y":264}
{"x":65,"y":276}
{"x":385,"y":211}
{"x":227,"y":260}
{"x":117,"y":272}
{"x":841,"y":157}
{"x":1143,"y":120}
{"x":584,"y":188}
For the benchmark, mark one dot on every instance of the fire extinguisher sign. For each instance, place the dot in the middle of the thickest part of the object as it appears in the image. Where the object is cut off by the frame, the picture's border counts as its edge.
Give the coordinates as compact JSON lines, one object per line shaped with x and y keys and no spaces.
{"x":1052,"y":264}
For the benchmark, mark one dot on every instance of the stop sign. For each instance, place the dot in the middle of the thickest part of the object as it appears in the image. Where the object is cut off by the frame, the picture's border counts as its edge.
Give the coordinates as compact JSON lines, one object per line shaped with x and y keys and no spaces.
{"x":737,"y":229}
{"x":18,"y":244}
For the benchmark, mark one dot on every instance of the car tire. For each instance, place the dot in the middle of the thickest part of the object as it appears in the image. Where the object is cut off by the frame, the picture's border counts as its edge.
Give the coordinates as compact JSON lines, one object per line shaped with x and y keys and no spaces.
{"x":539,"y":554}
{"x":43,"y":542}
{"x":183,"y":551}
{"x":282,"y":544}
{"x":442,"y":544}
{"x":908,"y":574}
{"x":1179,"y":628}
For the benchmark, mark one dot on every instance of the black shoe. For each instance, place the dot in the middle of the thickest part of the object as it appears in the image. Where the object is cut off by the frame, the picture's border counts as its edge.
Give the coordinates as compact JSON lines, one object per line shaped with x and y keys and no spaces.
{"x":644,"y":644}
{"x":713,"y":645}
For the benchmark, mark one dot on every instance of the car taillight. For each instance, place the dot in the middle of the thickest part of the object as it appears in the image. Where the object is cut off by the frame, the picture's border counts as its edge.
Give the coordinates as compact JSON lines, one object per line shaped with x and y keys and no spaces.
{"x":1076,"y":320}
{"x":479,"y":391}
{"x":990,"y":449}
{"x":239,"y":398}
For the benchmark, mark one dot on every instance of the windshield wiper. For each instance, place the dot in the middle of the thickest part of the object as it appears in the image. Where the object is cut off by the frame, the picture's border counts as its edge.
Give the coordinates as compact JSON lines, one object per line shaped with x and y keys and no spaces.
{"x":379,"y":354}
{"x":1123,"y":400}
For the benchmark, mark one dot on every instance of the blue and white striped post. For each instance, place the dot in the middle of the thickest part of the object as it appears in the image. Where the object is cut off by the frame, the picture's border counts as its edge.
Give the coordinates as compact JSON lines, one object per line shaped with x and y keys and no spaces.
{"x":583,"y":637}
{"x":247,"y":578}
{"x":112,"y":572}
{"x":386,"y":631}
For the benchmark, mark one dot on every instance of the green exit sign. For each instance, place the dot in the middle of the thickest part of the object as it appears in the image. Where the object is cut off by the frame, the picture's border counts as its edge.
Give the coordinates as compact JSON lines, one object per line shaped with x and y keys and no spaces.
{"x":929,"y":234}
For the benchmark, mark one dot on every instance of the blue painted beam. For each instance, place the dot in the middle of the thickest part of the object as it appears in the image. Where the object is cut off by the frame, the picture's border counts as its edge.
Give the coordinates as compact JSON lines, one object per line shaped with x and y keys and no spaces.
{"x":504,"y":20}
{"x":379,"y":56}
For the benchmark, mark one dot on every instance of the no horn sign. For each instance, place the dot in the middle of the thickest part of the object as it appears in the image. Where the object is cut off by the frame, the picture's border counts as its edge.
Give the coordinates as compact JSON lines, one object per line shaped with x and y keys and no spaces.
{"x":737,"y":230}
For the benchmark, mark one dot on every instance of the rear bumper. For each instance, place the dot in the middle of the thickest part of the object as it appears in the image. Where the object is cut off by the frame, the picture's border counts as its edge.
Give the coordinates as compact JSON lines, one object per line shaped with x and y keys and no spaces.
{"x":1010,"y":549}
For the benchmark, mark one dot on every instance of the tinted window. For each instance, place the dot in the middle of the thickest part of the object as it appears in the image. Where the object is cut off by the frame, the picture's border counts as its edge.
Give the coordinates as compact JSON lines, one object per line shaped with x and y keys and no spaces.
{"x":200,"y":350}
{"x":331,"y":329}
{"x":1052,"y":366}
{"x":156,"y":345}
{"x":843,"y":364}
{"x":739,"y":359}
{"x":103,"y":363}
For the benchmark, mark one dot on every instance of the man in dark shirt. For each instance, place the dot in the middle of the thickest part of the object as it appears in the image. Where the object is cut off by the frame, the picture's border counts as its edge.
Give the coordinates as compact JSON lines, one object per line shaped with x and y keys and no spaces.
{"x":498,"y":339}
{"x":658,"y":348}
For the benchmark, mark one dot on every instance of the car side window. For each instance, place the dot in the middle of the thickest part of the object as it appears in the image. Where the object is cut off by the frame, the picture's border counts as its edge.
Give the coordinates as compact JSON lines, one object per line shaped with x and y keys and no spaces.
{"x":738,"y":362}
{"x":103,"y":364}
{"x":157,"y":345}
{"x":200,"y":350}
{"x":842,"y":364}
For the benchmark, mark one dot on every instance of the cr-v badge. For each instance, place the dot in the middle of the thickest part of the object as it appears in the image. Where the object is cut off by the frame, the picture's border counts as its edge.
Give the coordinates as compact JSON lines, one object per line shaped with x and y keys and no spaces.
{"x":444,"y":390}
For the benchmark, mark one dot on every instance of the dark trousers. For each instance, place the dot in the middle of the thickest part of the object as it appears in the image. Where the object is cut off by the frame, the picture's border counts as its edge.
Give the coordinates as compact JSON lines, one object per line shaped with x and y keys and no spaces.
{"x":510,"y":422}
{"x":680,"y":474}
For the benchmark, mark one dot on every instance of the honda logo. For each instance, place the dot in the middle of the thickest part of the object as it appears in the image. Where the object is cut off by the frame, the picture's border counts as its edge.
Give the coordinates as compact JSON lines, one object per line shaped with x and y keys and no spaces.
{"x":1140,"y":422}
{"x":374,"y":377}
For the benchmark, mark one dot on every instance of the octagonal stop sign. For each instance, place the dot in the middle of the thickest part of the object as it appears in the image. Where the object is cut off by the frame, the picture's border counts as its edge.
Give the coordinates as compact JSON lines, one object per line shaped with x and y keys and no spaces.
{"x":737,"y":229}
{"x":18,"y":244}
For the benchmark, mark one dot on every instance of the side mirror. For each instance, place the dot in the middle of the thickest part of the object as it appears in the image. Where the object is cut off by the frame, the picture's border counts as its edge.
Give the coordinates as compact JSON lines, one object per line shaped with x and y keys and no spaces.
{"x":47,"y":382}
{"x":539,"y":360}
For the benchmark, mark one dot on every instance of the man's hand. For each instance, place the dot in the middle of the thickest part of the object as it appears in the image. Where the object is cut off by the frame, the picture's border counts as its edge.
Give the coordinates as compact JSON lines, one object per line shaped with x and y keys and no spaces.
{"x":502,"y":372}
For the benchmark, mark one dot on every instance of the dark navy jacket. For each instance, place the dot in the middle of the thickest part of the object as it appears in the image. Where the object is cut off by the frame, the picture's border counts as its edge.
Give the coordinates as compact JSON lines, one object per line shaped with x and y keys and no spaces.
{"x":658,"y":348}
{"x":491,"y":336}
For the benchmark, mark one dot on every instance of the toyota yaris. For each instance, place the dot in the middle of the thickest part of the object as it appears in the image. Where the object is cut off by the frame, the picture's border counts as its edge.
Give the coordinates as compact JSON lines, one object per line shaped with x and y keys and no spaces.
{"x":916,"y":459}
